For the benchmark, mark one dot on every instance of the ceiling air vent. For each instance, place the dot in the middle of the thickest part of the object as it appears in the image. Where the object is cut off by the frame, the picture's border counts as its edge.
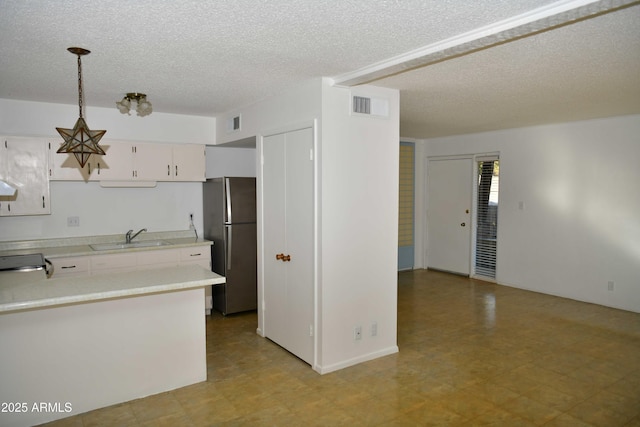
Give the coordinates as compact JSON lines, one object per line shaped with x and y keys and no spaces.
{"x":361,"y":105}
{"x":233,"y":124}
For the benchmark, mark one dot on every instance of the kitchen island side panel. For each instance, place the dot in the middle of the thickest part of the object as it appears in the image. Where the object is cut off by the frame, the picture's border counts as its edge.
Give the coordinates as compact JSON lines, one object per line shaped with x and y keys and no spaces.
{"x":81,"y":357}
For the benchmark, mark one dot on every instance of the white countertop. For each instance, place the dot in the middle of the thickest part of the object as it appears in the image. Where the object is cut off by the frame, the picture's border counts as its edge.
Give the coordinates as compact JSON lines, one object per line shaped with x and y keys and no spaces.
{"x":80,"y":246}
{"x":31,"y":290}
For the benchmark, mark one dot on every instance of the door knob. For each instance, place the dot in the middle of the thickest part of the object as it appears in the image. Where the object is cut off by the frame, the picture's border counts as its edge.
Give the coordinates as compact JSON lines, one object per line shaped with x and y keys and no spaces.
{"x":280,"y":256}
{"x":462,"y":224}
{"x":286,"y":258}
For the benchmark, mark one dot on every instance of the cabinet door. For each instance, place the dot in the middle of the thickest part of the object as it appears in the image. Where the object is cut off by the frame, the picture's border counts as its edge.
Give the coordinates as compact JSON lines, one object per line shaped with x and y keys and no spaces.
{"x":65,"y":167}
{"x":115,"y":165}
{"x":152,"y":162}
{"x":24,"y":164}
{"x":188,"y":162}
{"x":288,"y":210}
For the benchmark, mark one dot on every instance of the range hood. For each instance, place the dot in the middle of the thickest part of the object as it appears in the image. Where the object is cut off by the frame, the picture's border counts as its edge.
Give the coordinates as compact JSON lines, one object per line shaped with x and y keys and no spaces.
{"x":6,"y":189}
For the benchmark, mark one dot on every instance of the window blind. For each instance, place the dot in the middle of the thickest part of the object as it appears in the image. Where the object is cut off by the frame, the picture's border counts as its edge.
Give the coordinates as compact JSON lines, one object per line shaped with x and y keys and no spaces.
{"x":487,"y":217}
{"x":406,"y":202}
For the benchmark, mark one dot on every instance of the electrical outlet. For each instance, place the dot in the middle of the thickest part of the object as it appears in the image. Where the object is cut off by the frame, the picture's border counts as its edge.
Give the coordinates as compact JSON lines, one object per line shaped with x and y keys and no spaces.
{"x":357,"y":333}
{"x":610,"y":285}
{"x":73,"y":221}
{"x":374,"y":329}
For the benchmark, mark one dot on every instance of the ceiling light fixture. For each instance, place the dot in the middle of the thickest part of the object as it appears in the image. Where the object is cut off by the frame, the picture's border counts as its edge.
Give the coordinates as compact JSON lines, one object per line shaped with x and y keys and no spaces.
{"x":81,"y":141}
{"x":144,"y":107}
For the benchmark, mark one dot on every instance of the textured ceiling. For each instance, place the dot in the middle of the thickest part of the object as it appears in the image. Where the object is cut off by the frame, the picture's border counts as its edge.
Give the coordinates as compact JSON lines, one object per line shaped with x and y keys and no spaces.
{"x":206,"y":57}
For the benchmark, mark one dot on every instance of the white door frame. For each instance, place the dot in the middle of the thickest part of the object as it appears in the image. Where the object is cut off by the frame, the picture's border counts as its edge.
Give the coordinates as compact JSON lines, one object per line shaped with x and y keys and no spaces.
{"x":313,"y":124}
{"x":422,"y":190}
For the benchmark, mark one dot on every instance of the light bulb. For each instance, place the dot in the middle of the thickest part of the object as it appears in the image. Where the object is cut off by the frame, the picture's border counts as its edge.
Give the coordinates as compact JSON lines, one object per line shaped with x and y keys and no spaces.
{"x":124,"y":105}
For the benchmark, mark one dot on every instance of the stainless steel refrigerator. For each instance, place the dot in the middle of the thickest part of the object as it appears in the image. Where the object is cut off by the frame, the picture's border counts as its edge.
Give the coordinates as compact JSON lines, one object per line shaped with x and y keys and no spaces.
{"x":229,"y":217}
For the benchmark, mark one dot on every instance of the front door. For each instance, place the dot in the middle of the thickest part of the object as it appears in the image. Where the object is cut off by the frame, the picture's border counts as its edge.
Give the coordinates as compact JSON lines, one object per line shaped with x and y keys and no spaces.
{"x":449,"y":186}
{"x":288,"y":207}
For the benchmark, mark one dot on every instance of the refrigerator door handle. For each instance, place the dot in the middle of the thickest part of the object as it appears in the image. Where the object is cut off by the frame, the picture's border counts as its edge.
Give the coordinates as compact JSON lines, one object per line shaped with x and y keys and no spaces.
{"x":227,"y":184}
{"x":229,"y":230}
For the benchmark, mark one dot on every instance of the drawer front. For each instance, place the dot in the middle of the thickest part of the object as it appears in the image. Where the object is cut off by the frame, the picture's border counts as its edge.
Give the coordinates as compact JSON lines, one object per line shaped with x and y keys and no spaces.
{"x":70,"y":266}
{"x":115,"y":262}
{"x":195,"y":253}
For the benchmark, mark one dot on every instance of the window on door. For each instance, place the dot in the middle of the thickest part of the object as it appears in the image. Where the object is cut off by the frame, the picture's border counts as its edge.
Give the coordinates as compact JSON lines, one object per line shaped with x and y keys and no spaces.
{"x":487,"y":217}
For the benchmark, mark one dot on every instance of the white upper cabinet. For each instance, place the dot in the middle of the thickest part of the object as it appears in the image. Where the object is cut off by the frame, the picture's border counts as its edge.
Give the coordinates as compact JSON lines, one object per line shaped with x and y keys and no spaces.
{"x":24,"y":163}
{"x":116,"y":164}
{"x":65,"y":167}
{"x":188,"y":162}
{"x":128,"y":161}
{"x":152,"y":162}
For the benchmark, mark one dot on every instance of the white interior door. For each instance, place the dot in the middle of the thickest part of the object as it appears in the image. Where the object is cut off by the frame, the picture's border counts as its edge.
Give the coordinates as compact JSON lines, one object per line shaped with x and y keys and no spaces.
{"x":449,"y":197}
{"x":288,"y":230}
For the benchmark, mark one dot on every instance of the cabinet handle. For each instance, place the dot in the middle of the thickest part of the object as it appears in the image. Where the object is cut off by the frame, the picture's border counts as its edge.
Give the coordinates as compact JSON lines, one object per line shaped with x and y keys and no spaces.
{"x":89,"y":168}
{"x":195,"y":254}
{"x":42,"y":202}
{"x":176,"y":170}
{"x":98,"y":168}
{"x":68,"y":266}
{"x":168,"y":170}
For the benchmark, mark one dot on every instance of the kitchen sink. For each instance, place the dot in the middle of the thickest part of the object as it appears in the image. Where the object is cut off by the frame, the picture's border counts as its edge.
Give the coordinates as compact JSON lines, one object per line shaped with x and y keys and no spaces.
{"x":133,"y":245}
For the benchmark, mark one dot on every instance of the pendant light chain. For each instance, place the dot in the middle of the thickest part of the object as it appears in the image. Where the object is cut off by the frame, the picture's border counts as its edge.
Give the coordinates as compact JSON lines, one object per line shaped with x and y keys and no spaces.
{"x":80,"y":85}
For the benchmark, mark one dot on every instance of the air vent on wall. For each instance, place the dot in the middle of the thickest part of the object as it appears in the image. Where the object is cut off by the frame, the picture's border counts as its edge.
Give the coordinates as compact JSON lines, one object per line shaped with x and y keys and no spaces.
{"x":361,"y":105}
{"x":233,"y":124}
{"x":369,"y":106}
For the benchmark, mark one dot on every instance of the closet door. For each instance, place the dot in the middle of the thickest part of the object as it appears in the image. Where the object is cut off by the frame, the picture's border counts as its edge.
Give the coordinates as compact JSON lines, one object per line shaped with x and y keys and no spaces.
{"x":288,"y":241}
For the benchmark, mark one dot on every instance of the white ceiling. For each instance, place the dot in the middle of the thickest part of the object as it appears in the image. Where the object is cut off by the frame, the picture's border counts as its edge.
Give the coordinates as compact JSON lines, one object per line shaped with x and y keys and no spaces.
{"x":206,"y":57}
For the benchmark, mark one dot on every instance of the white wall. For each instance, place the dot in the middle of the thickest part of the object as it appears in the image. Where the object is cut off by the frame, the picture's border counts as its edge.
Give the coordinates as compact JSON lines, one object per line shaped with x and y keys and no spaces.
{"x":359,"y":175}
{"x":107,"y":210}
{"x":580,"y":226}
{"x":24,"y":118}
{"x":298,"y":104}
{"x":229,"y":161}
{"x":357,"y":214}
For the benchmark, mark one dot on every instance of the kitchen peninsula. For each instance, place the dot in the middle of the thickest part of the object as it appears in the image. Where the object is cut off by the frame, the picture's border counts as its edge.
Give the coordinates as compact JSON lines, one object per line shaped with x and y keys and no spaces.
{"x":74,"y":344}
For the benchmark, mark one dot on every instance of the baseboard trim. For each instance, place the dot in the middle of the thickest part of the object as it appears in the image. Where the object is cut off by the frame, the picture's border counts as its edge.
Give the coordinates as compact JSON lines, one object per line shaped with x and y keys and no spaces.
{"x":356,"y":360}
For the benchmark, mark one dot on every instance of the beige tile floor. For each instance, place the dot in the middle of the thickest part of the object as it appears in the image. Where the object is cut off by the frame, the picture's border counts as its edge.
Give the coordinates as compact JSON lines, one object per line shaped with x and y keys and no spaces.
{"x":471,"y":353}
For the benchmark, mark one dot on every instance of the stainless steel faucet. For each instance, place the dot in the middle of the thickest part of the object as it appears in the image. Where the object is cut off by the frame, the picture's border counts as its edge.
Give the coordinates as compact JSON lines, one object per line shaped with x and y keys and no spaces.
{"x":129,"y":237}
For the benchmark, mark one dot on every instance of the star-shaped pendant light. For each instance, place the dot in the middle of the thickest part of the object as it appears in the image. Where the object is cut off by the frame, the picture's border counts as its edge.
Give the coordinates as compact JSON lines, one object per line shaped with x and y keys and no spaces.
{"x":81,"y":141}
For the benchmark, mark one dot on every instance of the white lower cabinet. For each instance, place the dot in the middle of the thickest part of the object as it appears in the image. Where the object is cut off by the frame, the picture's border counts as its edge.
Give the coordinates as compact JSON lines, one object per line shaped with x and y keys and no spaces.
{"x":113,"y":263}
{"x":159,"y":258}
{"x":132,"y":261}
{"x":199,"y":255}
